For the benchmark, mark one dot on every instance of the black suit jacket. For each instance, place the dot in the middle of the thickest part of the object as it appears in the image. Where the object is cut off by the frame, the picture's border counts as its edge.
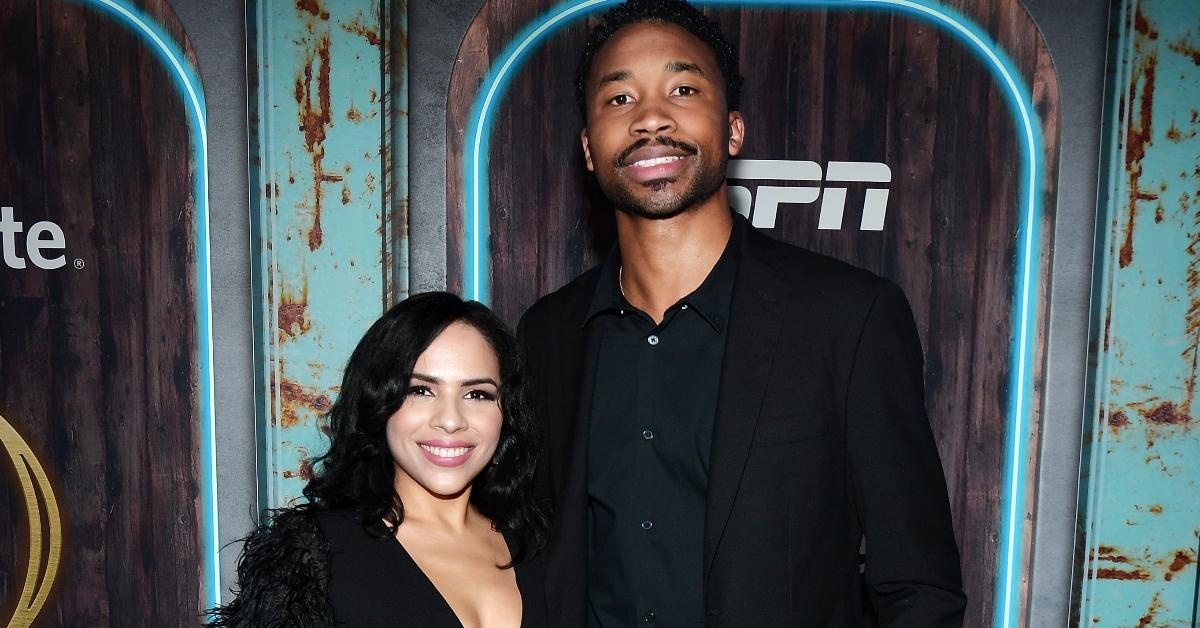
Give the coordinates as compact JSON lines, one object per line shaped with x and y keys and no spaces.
{"x":820,"y":439}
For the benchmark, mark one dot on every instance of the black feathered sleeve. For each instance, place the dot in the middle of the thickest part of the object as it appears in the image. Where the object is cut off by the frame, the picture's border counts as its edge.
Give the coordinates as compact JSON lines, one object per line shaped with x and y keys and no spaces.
{"x":283,"y":576}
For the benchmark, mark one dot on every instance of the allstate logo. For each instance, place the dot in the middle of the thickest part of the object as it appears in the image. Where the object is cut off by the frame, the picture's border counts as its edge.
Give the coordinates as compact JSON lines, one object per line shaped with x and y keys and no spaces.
{"x":41,"y":511}
{"x":763,"y":206}
{"x":41,"y":240}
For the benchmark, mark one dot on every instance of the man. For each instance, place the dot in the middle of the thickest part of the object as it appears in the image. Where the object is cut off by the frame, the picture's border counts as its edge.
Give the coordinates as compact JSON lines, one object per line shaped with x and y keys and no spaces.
{"x":727,"y":417}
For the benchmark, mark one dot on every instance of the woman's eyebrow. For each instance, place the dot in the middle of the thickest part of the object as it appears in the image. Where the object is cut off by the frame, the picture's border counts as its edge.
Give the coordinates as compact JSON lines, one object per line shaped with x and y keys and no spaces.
{"x":466,"y":382}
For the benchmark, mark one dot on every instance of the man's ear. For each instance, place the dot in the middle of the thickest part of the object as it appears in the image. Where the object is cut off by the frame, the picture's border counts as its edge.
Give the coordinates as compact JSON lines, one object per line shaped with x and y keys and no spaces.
{"x":737,"y":132}
{"x":587,"y":153}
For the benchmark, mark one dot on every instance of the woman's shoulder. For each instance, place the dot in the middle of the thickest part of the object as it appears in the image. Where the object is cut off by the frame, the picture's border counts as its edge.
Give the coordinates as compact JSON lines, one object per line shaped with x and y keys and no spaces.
{"x":339,"y":526}
{"x":289,"y":536}
{"x":283,"y":574}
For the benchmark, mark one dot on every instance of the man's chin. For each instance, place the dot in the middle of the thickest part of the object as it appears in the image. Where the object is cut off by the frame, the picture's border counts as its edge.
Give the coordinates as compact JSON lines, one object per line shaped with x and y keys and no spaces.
{"x":658,"y":199}
{"x":664,"y":204}
{"x":652,"y":213}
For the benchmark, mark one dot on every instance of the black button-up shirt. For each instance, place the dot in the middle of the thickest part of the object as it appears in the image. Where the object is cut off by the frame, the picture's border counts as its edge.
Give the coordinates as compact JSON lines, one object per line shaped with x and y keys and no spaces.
{"x":653,"y":405}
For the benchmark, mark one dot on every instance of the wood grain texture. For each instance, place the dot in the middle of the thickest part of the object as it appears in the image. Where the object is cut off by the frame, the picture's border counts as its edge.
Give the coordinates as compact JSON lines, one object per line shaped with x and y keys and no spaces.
{"x":821,"y":86}
{"x":98,"y":366}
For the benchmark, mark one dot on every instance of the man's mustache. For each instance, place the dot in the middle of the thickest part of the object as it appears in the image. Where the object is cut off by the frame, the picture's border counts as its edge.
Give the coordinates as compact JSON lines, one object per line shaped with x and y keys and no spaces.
{"x":619,"y":162}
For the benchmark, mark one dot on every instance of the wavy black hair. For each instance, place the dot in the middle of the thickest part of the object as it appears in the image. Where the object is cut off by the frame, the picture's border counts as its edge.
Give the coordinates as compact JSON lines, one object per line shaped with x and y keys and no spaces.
{"x":356,"y":474}
{"x":676,"y":12}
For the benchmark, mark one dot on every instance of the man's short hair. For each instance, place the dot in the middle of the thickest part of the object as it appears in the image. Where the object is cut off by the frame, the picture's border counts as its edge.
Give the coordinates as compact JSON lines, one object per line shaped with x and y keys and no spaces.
{"x":676,"y":12}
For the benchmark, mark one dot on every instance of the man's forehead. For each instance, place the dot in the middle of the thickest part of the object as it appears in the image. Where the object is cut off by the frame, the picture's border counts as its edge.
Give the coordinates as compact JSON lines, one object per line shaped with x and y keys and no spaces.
{"x":658,"y":45}
{"x":670,"y":67}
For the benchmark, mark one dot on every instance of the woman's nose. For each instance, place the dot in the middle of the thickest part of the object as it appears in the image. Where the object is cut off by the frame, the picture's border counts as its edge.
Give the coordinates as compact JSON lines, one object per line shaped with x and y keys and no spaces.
{"x":449,"y":418}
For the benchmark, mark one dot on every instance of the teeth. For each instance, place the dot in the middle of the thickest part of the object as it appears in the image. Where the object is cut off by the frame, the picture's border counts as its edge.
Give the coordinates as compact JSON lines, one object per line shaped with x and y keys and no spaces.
{"x":446,"y":452}
{"x":646,"y":163}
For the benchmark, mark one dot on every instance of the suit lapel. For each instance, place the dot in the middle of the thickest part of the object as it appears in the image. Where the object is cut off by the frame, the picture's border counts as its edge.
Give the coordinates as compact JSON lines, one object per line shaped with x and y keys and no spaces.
{"x":571,"y":407}
{"x":577,"y":404}
{"x":570,"y":417}
{"x":754,"y":323}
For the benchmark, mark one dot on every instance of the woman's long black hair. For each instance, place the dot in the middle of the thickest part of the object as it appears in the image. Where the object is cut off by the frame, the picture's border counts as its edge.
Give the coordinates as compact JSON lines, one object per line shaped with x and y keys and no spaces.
{"x":356,"y":474}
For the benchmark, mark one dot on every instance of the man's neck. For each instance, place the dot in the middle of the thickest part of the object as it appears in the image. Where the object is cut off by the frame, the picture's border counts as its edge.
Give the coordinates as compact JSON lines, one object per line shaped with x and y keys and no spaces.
{"x":665,"y":260}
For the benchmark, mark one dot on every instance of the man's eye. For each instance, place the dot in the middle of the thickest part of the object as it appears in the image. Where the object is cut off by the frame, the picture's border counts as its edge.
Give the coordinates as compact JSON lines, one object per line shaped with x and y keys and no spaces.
{"x":685,"y":90}
{"x":420,"y":391}
{"x":480,"y":395}
{"x":619,"y":99}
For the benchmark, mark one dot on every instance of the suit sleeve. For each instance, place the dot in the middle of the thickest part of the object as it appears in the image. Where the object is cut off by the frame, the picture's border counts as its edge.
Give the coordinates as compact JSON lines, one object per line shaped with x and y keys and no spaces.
{"x":899,"y":490}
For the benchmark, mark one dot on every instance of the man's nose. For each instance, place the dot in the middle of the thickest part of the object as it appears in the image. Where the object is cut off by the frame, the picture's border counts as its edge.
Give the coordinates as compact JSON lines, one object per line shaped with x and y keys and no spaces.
{"x":652,"y":119}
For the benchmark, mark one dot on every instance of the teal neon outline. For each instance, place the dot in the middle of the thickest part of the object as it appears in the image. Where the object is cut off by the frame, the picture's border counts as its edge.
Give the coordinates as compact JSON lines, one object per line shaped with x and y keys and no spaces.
{"x":475,"y":280}
{"x":185,"y":77}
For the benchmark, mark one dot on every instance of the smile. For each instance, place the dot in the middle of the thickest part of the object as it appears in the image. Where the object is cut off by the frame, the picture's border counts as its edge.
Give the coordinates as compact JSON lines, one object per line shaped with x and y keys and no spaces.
{"x":657,"y":168}
{"x":446,"y":452}
{"x":656,"y":161}
{"x":446,"y":456}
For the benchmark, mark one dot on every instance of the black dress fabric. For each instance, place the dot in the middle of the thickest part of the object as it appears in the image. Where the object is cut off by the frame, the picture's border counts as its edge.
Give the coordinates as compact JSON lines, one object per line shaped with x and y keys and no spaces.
{"x":375,"y":582}
{"x":305,"y":567}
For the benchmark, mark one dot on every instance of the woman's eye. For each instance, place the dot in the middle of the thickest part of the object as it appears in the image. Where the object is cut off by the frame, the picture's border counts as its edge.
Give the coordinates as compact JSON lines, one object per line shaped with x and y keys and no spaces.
{"x":481,"y":395}
{"x":420,"y":391}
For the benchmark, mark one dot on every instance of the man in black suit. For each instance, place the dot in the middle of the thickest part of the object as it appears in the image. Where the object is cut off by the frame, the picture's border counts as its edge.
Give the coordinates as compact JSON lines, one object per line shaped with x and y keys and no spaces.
{"x":727,"y":417}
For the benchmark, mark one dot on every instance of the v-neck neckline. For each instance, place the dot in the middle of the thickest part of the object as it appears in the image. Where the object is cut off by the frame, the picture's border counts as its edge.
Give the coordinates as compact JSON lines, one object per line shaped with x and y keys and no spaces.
{"x":424,"y":576}
{"x":441,"y":596}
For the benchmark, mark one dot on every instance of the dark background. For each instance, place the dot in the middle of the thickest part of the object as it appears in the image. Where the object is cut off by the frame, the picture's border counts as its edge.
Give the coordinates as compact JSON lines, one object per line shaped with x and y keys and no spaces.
{"x":837,"y":85}
{"x":1075,"y":31}
{"x":99,"y":359}
{"x":1075,"y":34}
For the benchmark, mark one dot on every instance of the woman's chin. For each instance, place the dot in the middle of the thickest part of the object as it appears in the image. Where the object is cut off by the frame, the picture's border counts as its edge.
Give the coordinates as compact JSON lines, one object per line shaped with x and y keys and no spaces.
{"x":444,"y":488}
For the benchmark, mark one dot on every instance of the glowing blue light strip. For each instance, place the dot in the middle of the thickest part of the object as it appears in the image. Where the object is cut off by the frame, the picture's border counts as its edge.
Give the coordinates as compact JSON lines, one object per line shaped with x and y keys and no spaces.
{"x":190,"y":88}
{"x":475,"y":281}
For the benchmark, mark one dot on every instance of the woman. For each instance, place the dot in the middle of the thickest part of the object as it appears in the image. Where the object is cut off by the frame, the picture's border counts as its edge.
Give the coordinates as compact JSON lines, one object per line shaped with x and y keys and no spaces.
{"x":421,"y":507}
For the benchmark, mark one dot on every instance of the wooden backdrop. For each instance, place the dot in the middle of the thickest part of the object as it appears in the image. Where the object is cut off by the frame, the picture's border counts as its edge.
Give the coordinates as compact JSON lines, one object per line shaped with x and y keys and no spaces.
{"x":822,"y":86}
{"x":98,"y":365}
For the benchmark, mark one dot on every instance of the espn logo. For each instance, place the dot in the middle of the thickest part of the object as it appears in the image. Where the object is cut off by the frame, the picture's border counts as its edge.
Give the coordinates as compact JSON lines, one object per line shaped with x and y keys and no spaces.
{"x":765,"y":203}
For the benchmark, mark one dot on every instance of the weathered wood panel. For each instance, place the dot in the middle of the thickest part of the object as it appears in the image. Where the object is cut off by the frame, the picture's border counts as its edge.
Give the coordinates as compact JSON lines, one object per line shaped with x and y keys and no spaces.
{"x":821,"y":86}
{"x":99,"y":359}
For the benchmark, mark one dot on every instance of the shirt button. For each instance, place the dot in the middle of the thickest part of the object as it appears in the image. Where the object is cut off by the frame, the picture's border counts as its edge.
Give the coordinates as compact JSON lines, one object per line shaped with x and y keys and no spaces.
{"x":684,"y":306}
{"x":648,"y":617}
{"x":647,"y":434}
{"x":646,"y":525}
{"x":653,"y":340}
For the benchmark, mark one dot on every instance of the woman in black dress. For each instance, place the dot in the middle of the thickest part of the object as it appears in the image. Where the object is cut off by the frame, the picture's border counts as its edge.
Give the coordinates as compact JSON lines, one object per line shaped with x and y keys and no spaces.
{"x":420,"y":513}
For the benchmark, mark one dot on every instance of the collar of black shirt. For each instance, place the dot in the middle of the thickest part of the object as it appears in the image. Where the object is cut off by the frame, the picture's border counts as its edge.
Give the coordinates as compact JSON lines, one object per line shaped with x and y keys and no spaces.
{"x":711,"y":300}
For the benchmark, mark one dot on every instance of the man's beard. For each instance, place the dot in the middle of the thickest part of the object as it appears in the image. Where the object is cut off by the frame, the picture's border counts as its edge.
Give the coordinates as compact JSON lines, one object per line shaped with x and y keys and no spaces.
{"x":663,"y":203}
